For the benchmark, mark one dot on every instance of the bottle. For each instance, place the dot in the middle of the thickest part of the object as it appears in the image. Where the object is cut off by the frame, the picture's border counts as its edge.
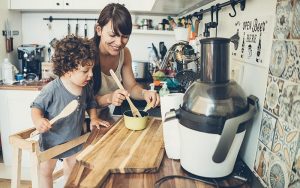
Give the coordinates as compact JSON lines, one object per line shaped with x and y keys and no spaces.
{"x":164,"y":89}
{"x":7,"y":72}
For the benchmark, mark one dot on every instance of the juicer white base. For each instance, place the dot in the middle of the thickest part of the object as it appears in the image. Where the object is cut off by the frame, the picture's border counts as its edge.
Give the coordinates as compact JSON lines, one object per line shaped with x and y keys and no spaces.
{"x":197,"y":149}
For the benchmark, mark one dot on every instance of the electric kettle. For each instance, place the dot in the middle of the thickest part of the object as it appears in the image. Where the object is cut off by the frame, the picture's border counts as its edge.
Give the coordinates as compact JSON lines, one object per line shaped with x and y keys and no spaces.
{"x":214,"y":115}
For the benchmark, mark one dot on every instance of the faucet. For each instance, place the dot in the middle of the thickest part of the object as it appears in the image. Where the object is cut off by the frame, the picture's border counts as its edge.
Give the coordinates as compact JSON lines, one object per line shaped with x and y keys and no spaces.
{"x":171,"y":53}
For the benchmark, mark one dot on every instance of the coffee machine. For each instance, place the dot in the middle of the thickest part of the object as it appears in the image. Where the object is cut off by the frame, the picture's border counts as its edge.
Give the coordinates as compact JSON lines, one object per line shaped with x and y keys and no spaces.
{"x":30,"y":57}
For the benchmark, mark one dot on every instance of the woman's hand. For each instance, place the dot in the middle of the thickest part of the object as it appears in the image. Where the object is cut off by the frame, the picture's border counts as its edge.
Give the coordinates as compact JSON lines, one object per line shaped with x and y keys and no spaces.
{"x":118,"y":96}
{"x":42,"y":125}
{"x":96,"y":122}
{"x":151,"y":97}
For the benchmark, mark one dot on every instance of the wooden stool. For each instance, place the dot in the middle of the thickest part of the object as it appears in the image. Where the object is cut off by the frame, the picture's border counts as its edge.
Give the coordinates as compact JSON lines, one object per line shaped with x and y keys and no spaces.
{"x":20,"y":142}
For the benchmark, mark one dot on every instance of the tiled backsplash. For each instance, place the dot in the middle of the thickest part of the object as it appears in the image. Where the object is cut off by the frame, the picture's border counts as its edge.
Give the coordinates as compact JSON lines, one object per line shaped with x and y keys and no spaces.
{"x":278,"y":153}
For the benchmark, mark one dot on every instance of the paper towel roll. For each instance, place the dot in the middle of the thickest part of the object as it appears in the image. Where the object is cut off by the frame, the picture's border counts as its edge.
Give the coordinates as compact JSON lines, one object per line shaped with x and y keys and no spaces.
{"x":171,"y":127}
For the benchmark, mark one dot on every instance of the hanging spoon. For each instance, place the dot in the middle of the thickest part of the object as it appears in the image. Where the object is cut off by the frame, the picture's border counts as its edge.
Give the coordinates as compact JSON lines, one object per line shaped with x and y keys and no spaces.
{"x":76,"y":29}
{"x":69,"y":28}
{"x":85,"y":30}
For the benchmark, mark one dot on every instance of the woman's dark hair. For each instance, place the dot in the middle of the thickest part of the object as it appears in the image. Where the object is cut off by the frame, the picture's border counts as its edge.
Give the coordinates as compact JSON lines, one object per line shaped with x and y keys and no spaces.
{"x":70,"y":52}
{"x":121,"y":23}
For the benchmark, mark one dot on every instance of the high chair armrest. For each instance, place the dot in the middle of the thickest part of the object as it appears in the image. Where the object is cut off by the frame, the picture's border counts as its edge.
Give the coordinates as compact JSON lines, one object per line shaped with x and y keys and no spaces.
{"x":56,"y":150}
{"x":19,"y":140}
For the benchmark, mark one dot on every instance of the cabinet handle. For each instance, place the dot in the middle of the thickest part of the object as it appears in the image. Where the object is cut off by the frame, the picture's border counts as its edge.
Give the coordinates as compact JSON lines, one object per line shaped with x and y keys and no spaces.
{"x":57,"y":4}
{"x":67,"y":4}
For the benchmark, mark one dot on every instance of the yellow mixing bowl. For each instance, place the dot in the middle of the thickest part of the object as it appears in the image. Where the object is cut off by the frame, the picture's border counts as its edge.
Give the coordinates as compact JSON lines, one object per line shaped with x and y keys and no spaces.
{"x":135,"y":123}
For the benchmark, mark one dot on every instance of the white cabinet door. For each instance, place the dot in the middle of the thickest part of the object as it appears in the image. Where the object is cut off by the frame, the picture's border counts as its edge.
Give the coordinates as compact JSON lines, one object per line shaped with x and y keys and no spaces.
{"x":79,"y":5}
{"x":134,"y":5}
{"x":15,"y":116}
{"x":96,"y":5}
{"x":30,"y":4}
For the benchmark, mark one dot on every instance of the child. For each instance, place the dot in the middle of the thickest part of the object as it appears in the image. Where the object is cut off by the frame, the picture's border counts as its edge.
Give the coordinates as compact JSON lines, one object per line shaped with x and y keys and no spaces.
{"x":73,"y":62}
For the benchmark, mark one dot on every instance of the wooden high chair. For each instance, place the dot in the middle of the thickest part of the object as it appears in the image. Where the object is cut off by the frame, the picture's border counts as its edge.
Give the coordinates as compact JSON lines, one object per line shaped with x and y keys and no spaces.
{"x":21,"y":141}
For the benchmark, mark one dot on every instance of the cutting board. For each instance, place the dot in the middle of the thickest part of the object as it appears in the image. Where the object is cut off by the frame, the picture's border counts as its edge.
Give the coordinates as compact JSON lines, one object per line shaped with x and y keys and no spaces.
{"x":122,"y":150}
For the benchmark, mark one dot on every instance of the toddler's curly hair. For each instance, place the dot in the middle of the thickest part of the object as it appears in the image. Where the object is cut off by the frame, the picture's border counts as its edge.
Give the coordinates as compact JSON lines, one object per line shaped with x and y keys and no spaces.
{"x":72,"y":51}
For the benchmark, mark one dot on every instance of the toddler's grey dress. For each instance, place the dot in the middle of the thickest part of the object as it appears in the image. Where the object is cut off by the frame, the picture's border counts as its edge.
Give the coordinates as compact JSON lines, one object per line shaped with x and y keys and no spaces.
{"x":52,"y":100}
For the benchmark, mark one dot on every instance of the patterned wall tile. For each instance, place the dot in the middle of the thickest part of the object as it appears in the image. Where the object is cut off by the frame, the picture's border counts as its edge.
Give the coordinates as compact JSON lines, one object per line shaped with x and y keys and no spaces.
{"x":278,"y":173}
{"x":283,"y":22}
{"x":261,"y":165}
{"x":292,"y":66}
{"x":285,"y":142}
{"x":278,"y":58}
{"x":267,"y":129}
{"x":289,"y":102}
{"x":285,"y":60}
{"x":280,"y":167}
{"x":273,"y":91}
{"x":296,"y":20}
{"x":295,"y":175}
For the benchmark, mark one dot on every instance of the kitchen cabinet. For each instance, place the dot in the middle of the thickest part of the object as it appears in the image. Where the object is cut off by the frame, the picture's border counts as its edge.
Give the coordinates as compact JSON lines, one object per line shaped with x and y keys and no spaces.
{"x":29,"y":4}
{"x":80,"y":5}
{"x":156,"y":7}
{"x":58,"y":4}
{"x":133,"y":5}
{"x":15,"y":116}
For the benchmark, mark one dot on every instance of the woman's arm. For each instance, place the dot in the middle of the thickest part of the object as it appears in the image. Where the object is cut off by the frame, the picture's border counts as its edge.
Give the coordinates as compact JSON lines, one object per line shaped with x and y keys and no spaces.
{"x":135,"y":90}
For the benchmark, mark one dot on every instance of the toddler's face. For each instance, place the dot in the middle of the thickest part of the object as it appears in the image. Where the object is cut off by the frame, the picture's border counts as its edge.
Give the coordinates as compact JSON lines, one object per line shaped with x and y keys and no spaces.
{"x":82,"y":75}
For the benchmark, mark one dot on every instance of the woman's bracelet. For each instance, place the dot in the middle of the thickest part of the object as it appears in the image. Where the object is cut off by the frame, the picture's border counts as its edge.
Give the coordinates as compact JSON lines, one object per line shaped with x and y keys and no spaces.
{"x":143,"y":92}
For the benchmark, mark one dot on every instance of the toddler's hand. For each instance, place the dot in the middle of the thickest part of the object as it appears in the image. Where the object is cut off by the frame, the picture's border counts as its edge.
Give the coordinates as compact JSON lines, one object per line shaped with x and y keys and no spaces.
{"x":97,"y":122}
{"x":42,"y":125}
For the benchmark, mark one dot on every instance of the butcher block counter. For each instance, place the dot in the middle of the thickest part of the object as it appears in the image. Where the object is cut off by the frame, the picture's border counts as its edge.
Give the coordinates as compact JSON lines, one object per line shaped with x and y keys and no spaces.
{"x":32,"y":86}
{"x":101,"y":164}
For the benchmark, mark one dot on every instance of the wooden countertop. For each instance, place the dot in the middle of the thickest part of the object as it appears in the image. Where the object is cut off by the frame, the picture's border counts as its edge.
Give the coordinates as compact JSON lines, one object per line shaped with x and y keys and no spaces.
{"x":168,"y":167}
{"x":32,"y":86}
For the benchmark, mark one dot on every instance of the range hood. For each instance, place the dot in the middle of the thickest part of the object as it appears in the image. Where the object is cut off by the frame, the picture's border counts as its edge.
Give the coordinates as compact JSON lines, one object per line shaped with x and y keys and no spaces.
{"x":173,"y":7}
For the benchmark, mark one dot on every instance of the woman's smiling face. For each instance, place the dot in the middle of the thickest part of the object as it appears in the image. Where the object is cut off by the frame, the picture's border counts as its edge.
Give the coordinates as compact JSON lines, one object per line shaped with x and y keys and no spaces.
{"x":111,"y":43}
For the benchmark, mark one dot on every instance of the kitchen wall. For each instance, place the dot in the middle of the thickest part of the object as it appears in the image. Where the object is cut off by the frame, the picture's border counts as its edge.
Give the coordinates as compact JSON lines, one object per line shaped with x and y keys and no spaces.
{"x":44,"y":31}
{"x":266,"y":64}
{"x":15,"y":23}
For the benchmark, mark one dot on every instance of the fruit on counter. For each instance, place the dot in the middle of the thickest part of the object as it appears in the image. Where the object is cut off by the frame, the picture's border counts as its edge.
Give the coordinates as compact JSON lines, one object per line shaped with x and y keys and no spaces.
{"x":159,"y":75}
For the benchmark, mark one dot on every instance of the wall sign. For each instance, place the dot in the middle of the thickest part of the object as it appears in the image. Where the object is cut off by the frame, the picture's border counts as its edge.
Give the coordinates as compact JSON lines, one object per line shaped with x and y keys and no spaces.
{"x":254,"y":37}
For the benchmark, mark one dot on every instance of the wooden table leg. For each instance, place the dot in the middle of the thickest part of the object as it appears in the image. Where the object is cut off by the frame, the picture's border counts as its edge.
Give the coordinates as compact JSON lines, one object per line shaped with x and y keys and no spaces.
{"x":16,"y":167}
{"x":35,"y":166}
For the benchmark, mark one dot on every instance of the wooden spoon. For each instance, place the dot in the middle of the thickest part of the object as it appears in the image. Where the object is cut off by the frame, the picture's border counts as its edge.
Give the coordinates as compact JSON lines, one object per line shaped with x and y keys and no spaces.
{"x":148,"y":106}
{"x":134,"y":110}
{"x":71,"y":107}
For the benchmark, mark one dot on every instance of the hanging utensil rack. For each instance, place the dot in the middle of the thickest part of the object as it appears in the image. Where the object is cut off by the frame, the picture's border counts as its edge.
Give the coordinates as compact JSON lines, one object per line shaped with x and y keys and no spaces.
{"x":51,"y":19}
{"x":215,"y":8}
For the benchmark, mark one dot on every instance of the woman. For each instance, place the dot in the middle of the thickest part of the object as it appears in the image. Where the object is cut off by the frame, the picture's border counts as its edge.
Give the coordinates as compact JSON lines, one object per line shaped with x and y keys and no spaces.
{"x":112,"y":33}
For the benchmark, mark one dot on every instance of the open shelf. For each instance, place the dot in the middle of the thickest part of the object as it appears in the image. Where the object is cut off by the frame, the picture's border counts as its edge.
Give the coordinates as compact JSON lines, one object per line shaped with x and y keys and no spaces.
{"x":152,"y":32}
